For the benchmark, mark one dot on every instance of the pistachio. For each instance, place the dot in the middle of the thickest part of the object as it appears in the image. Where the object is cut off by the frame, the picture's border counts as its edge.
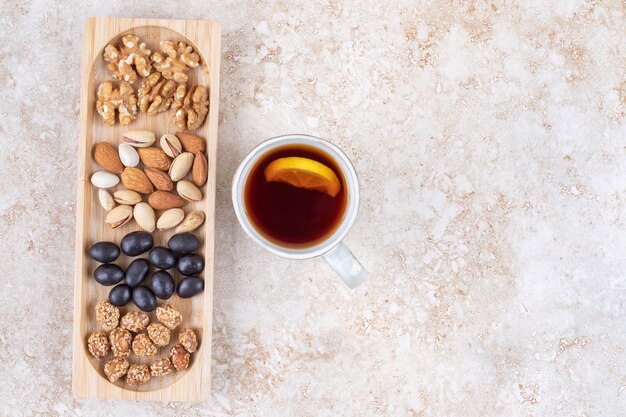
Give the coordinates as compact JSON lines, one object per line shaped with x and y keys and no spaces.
{"x":144,"y":216}
{"x":119,"y":216}
{"x":128,"y":155}
{"x":171,"y":145}
{"x":103,"y":179}
{"x":170,"y":218}
{"x":127,"y":197}
{"x":181,"y":166}
{"x":188,"y":191}
{"x":191,"y":222}
{"x":138,"y":138}
{"x":106,"y":201}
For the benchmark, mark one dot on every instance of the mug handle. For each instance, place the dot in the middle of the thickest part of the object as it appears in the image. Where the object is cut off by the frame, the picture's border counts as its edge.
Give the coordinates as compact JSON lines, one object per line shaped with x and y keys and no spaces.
{"x":343,"y":262}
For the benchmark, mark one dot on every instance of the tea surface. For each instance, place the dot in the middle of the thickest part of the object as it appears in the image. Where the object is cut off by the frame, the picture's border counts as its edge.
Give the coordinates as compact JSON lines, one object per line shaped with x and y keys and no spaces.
{"x":289,"y":215}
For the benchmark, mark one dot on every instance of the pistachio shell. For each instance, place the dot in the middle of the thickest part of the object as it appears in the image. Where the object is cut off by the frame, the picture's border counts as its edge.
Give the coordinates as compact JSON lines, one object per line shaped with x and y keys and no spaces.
{"x":144,"y":216}
{"x":119,"y":216}
{"x":128,"y":197}
{"x":106,"y":201}
{"x":188,"y":191}
{"x":191,"y":222}
{"x":103,"y":179}
{"x":170,"y":218}
{"x":171,"y":145}
{"x":128,"y":155}
{"x":181,"y":166}
{"x":138,"y":138}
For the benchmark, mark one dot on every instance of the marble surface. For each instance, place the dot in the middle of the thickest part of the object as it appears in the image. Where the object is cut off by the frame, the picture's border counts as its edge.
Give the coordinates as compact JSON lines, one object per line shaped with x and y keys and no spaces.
{"x":490,"y":142}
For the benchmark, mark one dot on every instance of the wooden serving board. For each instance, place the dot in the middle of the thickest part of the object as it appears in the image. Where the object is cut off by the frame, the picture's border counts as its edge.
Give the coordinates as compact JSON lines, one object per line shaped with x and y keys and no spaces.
{"x":88,"y":379}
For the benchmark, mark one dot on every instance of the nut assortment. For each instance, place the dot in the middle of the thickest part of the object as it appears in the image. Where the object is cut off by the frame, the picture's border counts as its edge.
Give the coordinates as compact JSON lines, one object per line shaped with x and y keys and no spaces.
{"x":148,"y":181}
{"x":128,"y":350}
{"x":169,"y":175}
{"x":163,"y":87}
{"x":135,"y":194}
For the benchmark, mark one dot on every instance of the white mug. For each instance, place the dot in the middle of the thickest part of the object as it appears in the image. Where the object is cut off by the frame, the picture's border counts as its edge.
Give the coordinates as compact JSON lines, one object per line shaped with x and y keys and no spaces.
{"x":331,"y":248}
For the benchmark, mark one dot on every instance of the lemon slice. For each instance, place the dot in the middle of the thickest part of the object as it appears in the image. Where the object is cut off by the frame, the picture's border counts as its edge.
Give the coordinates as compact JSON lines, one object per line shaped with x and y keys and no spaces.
{"x":303,"y":173}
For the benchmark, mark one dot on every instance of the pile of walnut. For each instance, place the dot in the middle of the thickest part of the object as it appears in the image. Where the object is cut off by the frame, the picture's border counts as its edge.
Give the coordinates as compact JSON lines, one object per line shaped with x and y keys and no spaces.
{"x":163,"y":86}
{"x":121,"y":343}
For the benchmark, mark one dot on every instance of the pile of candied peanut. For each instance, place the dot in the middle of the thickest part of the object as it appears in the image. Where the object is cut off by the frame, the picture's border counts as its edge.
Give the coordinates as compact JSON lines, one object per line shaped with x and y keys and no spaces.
{"x":148,"y":337}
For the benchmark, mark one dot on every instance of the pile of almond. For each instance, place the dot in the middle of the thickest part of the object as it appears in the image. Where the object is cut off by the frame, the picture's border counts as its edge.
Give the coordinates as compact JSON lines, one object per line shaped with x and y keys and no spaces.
{"x":169,"y":175}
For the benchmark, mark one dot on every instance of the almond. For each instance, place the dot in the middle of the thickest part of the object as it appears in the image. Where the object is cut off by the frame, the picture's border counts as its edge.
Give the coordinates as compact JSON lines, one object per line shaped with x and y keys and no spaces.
{"x":181,"y":166}
{"x":135,"y":179}
{"x":162,"y":200}
{"x":200,"y":169}
{"x":154,"y":158}
{"x":160,"y":179}
{"x":191,"y":143}
{"x":106,"y":156}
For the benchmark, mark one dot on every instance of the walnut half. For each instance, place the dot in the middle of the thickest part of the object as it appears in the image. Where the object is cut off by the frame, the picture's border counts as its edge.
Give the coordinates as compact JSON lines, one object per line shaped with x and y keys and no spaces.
{"x":190,"y":107}
{"x":180,"y":57}
{"x":123,"y":100}
{"x":132,"y":58}
{"x":156,"y":94}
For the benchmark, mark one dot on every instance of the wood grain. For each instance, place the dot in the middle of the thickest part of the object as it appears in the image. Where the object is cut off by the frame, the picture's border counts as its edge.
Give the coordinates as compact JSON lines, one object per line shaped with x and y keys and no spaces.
{"x":88,"y":379}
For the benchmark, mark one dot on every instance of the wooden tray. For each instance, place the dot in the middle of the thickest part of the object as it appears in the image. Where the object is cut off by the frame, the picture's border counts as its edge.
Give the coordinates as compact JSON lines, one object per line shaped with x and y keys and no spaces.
{"x":88,"y":379}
